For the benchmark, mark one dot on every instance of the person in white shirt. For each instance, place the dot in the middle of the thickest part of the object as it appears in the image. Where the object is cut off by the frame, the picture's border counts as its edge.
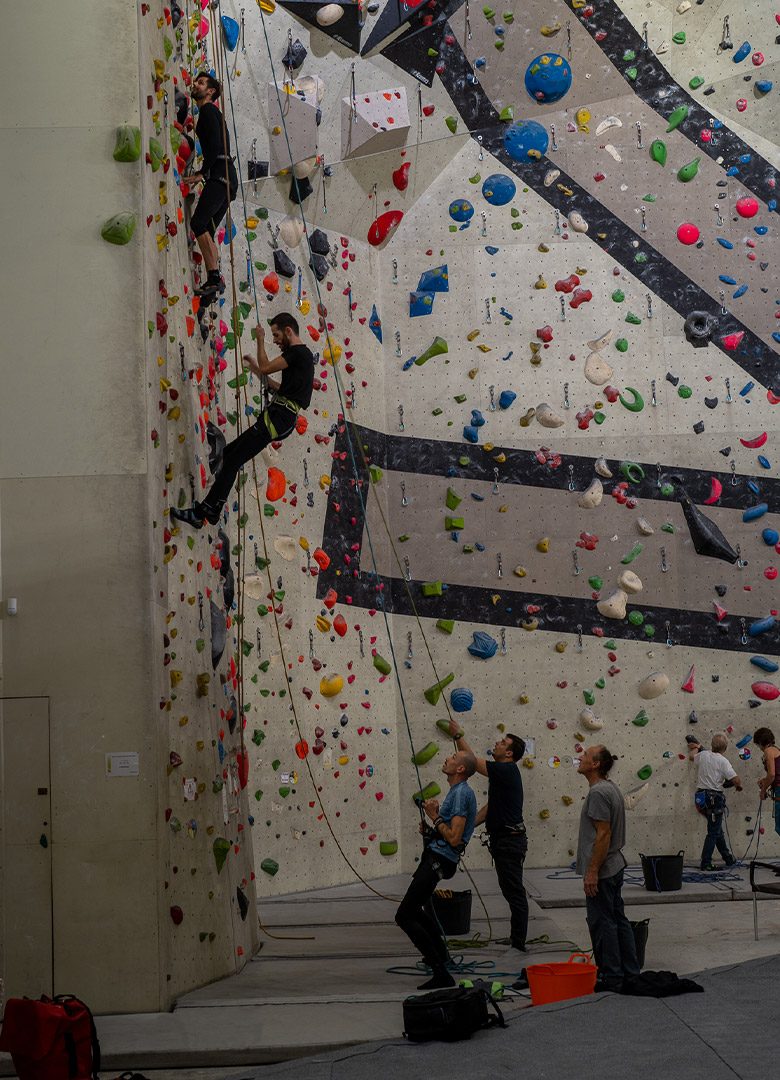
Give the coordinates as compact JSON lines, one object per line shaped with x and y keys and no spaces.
{"x":715,"y":774}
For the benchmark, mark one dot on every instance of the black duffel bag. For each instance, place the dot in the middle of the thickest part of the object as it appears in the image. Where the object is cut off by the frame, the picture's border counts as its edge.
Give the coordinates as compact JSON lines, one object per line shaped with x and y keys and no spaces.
{"x":450,"y":1015}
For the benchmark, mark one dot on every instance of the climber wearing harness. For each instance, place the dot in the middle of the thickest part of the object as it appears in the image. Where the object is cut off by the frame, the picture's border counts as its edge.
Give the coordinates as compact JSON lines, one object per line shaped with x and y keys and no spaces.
{"x":502,"y":816}
{"x":219,"y":178}
{"x":769,"y":784}
{"x":291,"y":396}
{"x":445,"y":841}
{"x":715,"y":773}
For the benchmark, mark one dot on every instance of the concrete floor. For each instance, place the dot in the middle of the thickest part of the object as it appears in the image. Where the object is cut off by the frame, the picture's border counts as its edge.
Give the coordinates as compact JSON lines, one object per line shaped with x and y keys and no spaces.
{"x":321,"y":981}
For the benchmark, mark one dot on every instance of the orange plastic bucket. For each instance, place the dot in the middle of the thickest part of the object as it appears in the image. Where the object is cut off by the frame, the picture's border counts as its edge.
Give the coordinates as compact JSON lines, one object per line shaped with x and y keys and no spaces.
{"x":559,"y":982}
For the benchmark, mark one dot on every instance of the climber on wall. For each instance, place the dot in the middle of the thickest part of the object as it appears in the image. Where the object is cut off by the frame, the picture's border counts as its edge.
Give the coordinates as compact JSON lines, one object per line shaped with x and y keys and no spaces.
{"x":292,"y":394}
{"x":218,"y":176}
{"x":715,"y":773}
{"x":445,"y":841}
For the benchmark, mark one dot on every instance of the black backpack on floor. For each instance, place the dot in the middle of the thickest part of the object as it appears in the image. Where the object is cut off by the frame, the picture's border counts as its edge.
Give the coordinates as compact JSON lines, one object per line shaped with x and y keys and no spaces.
{"x":450,"y":1015}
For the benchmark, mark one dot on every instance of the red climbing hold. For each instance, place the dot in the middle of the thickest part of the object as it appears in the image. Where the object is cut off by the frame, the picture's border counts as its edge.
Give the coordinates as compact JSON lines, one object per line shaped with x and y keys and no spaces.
{"x":301,"y":424}
{"x":384,"y":225}
{"x":302,"y":749}
{"x":767,"y":691}
{"x":401,"y":176}
{"x":720,"y":612}
{"x":731,"y":341}
{"x":567,"y":285}
{"x":177,"y":915}
{"x":687,"y":686}
{"x":687,"y":233}
{"x":277,"y":483}
{"x":747,"y":207}
{"x":545,"y":333}
{"x":340,"y":625}
{"x":242,"y":760}
{"x":580,"y":296}
{"x":716,"y":490}
{"x":754,"y":444}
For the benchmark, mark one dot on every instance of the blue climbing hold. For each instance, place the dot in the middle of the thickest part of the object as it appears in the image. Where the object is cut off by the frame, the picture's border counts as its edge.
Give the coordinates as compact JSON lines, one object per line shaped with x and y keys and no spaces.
{"x":435,"y":280}
{"x":745,"y":159}
{"x":764,"y":463}
{"x":491,"y":250}
{"x":506,"y":398}
{"x":776,"y":335}
{"x":753,"y":513}
{"x":746,"y":389}
{"x":525,"y":140}
{"x":732,"y":171}
{"x":230,"y":32}
{"x":724,"y":243}
{"x":462,"y":699}
{"x":764,"y":86}
{"x":499,"y":189}
{"x":548,"y":78}
{"x":477,"y":419}
{"x":483,"y":646}
{"x":229,"y":235}
{"x":470,"y":434}
{"x":742,"y":52}
{"x":743,"y":741}
{"x":420,"y":303}
{"x":770,"y":537}
{"x":727,"y":280}
{"x":753,"y":486}
{"x":461,"y":210}
{"x":739,"y":292}
{"x":480,"y":62}
{"x":375,"y":324}
{"x":477,"y":497}
{"x":763,"y":663}
{"x":762,"y":625}
{"x":761,"y":230}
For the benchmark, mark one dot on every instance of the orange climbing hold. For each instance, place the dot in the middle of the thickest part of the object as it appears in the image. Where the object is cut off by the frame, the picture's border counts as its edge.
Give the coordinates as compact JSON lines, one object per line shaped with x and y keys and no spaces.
{"x":271,"y":282}
{"x":331,"y":598}
{"x":277,"y":484}
{"x":322,"y":560}
{"x":301,"y":424}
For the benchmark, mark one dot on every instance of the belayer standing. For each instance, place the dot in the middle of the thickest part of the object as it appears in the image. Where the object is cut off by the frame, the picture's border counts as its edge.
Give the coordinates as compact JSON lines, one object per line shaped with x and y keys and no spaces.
{"x":715,"y":773}
{"x":445,"y":842}
{"x":218,"y":174}
{"x":769,"y":784}
{"x":291,"y":395}
{"x":502,"y":816}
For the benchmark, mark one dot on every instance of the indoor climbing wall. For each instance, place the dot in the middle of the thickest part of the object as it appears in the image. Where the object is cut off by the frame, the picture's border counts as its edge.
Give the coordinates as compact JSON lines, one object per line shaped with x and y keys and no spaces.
{"x":533,"y":251}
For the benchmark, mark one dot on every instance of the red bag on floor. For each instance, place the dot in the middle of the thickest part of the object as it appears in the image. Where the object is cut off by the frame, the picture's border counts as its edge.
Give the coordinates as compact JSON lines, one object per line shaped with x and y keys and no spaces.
{"x":51,"y":1039}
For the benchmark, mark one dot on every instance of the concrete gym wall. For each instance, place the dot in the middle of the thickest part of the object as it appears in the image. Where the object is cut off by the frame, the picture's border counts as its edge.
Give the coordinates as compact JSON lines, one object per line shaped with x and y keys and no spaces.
{"x":81,"y":497}
{"x":512,"y":256}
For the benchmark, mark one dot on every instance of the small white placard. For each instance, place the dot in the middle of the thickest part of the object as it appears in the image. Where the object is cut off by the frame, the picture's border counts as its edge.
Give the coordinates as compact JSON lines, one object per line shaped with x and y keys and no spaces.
{"x":530,"y":747}
{"x":122,"y":764}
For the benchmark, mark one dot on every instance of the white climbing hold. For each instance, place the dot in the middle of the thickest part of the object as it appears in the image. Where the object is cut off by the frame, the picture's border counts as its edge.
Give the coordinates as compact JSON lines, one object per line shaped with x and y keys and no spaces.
{"x":286,"y":547}
{"x":644,"y":526}
{"x":630,"y":582}
{"x":614,"y":605}
{"x":602,"y":468}
{"x":656,"y":683}
{"x":578,"y":222}
{"x":597,"y":344}
{"x":330,"y":14}
{"x":607,"y":123}
{"x":312,"y":87}
{"x":551,"y":176}
{"x":683,"y":6}
{"x":597,"y":371}
{"x":291,"y":231}
{"x":662,"y":48}
{"x":631,"y":798}
{"x":592,"y":495}
{"x":304,"y":169}
{"x":613,"y":152}
{"x":590,"y":721}
{"x":548,"y":417}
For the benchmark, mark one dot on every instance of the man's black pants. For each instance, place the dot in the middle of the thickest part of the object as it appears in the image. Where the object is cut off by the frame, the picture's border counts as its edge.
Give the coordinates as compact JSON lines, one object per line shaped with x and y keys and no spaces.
{"x":415,"y":914}
{"x":244,"y":448}
{"x":509,"y":851}
{"x":614,"y":949}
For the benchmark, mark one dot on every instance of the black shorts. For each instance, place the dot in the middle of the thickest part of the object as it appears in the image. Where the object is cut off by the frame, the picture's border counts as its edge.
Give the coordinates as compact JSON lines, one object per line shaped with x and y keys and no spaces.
{"x":212,"y":206}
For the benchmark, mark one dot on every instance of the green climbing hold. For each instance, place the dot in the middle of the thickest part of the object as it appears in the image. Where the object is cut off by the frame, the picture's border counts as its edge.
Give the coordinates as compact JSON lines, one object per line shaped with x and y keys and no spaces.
{"x":156,"y":153}
{"x":641,"y":719}
{"x":445,"y":625}
{"x":684,"y":391}
{"x":696,"y":82}
{"x":599,"y":417}
{"x":451,"y":523}
{"x":436,"y":348}
{"x":388,"y":847}
{"x":618,"y":296}
{"x":453,"y":499}
{"x":633,"y":319}
{"x":621,"y":345}
{"x":677,"y":117}
{"x":629,"y":54}
{"x":422,"y":757}
{"x":640,"y":257}
{"x":636,"y":403}
{"x":437,"y":411}
{"x":633,"y":472}
{"x":452,"y":123}
{"x":679,"y":37}
{"x":270,"y":867}
{"x":609,"y":644}
{"x":433,"y":693}
{"x":488,"y":12}
{"x":464,"y":460}
{"x":468,"y":549}
{"x":600,"y":683}
{"x":589,"y":696}
{"x":645,"y":772}
{"x":658,"y":151}
{"x":509,"y":16}
{"x":284,"y":792}
{"x":631,"y":73}
{"x":430,"y":791}
{"x":632,"y":554}
{"x":444,"y":728}
{"x":687,"y":172}
{"x":667,"y":527}
{"x":382,"y":665}
{"x":220,"y":847}
{"x":119,"y":229}
{"x":432,"y":588}
{"x":375,"y":473}
{"x":649,"y":198}
{"x":636,"y":618}
{"x":596,"y":583}
{"x":258,"y":736}
{"x":475,"y":179}
{"x":649,"y":630}
{"x":128,"y":143}
{"x":239,"y":380}
{"x":667,"y":490}
{"x":507,"y":113}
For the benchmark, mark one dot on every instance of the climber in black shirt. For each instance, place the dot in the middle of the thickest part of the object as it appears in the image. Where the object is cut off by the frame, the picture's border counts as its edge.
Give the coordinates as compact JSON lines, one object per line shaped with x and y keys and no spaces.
{"x":219,"y":178}
{"x":292,"y":394}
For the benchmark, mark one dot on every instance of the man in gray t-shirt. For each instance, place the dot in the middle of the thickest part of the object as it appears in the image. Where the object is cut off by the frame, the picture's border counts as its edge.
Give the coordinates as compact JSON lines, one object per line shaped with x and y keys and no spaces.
{"x":600,"y":861}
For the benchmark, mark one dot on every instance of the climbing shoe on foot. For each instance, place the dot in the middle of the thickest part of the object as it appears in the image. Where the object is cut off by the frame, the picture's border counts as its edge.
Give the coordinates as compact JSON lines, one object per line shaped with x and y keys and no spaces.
{"x":212,"y":288}
{"x":189,"y":516}
{"x":441,"y":979}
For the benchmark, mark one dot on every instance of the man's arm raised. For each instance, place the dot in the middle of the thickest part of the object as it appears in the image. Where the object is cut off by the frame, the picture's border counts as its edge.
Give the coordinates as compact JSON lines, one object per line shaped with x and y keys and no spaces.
{"x":461,"y":744}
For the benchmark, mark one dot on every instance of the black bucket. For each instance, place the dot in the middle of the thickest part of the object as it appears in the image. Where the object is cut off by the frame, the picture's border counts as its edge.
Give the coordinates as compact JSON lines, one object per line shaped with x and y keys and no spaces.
{"x":640,"y":929}
{"x":663,"y":873}
{"x":453,"y":910}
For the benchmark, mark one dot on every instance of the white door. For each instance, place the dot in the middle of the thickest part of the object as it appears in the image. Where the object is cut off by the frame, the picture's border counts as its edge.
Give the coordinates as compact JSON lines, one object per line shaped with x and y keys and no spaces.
{"x":25,"y":848}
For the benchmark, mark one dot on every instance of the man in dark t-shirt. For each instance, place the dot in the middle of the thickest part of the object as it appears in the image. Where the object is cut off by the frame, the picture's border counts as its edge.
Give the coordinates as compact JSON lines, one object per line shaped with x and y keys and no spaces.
{"x":218,"y":176}
{"x":502,"y":816}
{"x":292,"y":394}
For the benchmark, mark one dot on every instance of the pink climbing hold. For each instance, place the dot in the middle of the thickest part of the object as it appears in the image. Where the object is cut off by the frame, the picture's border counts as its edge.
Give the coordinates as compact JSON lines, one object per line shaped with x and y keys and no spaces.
{"x":687,"y":233}
{"x":687,"y":686}
{"x":732,"y":341}
{"x":384,"y":225}
{"x":741,"y":104}
{"x":720,"y":612}
{"x":747,"y":206}
{"x":401,"y":176}
{"x":757,"y":58}
{"x":767,"y":691}
{"x":716,"y":490}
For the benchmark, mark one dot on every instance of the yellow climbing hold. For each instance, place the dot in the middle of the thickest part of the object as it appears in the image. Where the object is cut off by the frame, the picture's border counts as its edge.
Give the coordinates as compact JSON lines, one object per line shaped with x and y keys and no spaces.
{"x":305,"y":307}
{"x":324,"y":482}
{"x":331,"y":685}
{"x":543,"y":545}
{"x":252,"y":222}
{"x":485,"y":348}
{"x":560,"y":646}
{"x":523,"y":699}
{"x":544,"y":814}
{"x":550,"y":31}
{"x":520,"y":571}
{"x":323,"y":624}
{"x":500,"y":458}
{"x":472,"y":334}
{"x":582,"y":116}
{"x":332,"y":355}
{"x":540,"y":283}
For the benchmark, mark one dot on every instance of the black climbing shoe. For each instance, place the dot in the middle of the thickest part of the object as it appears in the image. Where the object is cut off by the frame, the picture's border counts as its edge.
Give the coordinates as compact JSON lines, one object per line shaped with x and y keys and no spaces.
{"x":189,"y":516}
{"x":211,"y":290}
{"x":441,"y":979}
